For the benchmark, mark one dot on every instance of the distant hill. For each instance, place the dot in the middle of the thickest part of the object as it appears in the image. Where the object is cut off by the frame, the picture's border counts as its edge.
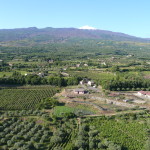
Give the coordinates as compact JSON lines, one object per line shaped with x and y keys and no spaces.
{"x":68,"y":41}
{"x":48,"y":35}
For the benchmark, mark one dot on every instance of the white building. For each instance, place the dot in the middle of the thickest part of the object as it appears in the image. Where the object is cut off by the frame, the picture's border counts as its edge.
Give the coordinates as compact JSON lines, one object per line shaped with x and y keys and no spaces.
{"x":41,"y":75}
{"x":84,"y":81}
{"x":91,"y":83}
{"x":80,"y":91}
{"x":145,"y":94}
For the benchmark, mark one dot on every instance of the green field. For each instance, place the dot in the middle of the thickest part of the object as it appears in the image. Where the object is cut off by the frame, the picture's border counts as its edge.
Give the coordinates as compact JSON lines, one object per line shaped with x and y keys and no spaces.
{"x":60,"y":110}
{"x":95,"y":75}
{"x":5,"y":74}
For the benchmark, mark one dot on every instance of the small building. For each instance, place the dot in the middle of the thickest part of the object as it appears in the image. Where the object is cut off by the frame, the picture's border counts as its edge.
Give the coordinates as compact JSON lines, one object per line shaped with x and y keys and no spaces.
{"x":65,"y":68}
{"x":130,"y":55}
{"x":78,"y":65}
{"x":91,"y":83}
{"x":145,"y":94}
{"x":80,"y":91}
{"x":41,"y":75}
{"x":84,"y":81}
{"x":10,"y":64}
{"x":103,"y":63}
{"x":86,"y":65}
{"x":65,"y":74}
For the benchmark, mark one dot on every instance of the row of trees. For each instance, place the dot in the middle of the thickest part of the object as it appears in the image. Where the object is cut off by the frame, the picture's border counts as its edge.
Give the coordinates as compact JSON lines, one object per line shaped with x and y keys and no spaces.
{"x":32,"y":79}
{"x":127,"y":84}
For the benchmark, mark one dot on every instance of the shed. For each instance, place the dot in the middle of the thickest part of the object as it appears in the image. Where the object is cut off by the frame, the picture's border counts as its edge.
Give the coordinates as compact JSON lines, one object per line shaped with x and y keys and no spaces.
{"x":80,"y":91}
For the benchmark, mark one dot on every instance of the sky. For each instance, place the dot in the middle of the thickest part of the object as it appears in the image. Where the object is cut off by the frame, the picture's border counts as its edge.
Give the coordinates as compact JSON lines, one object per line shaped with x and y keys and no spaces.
{"x":127,"y":16}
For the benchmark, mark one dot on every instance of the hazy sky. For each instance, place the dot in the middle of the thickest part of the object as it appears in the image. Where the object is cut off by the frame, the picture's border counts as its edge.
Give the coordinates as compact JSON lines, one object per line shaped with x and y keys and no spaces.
{"x":127,"y":16}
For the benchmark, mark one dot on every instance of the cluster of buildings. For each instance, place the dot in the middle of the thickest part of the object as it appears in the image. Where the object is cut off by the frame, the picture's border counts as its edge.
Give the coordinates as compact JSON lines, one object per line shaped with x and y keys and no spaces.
{"x":79,"y":65}
{"x":87,"y":82}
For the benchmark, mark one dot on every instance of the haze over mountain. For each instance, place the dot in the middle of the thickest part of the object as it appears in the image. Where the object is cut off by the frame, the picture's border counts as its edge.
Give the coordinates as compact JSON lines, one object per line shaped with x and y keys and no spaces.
{"x":52,"y":35}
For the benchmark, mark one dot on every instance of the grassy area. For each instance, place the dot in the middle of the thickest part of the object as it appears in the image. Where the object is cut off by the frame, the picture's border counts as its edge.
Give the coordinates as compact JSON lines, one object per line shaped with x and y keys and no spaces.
{"x":58,"y":110}
{"x":2,"y":74}
{"x":95,"y":75}
{"x":85,"y":107}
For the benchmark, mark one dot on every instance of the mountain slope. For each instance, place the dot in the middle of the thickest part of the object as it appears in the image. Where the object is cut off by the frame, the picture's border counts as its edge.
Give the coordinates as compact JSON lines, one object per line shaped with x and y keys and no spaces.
{"x":68,"y":41}
{"x":49,"y":35}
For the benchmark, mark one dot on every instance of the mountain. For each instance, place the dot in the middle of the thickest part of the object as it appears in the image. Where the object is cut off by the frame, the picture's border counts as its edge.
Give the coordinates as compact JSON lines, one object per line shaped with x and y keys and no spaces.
{"x":70,"y":41}
{"x":51,"y":35}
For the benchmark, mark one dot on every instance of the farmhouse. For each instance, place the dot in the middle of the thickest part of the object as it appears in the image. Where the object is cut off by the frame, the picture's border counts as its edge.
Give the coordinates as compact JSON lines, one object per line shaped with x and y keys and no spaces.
{"x":80,"y":91}
{"x":146,"y":94}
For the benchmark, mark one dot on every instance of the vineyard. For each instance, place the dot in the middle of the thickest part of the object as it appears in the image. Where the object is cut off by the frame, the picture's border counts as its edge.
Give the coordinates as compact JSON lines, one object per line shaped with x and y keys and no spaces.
{"x":126,"y":130}
{"x":24,"y":98}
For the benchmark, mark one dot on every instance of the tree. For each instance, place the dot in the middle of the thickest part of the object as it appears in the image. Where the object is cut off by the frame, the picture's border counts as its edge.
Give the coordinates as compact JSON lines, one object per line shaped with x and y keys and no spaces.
{"x":92,"y":145}
{"x":56,"y":139}
{"x":48,"y":103}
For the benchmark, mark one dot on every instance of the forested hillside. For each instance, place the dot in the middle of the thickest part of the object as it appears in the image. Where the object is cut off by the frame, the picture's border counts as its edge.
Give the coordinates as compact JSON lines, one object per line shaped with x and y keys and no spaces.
{"x":68,"y":41}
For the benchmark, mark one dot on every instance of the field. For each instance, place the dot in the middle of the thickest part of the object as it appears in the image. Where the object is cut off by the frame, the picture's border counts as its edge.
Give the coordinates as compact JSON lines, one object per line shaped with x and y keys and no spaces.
{"x":38,"y":130}
{"x":5,"y":74}
{"x":126,"y":132}
{"x":95,"y":75}
{"x":25,"y":97}
{"x":59,"y":110}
